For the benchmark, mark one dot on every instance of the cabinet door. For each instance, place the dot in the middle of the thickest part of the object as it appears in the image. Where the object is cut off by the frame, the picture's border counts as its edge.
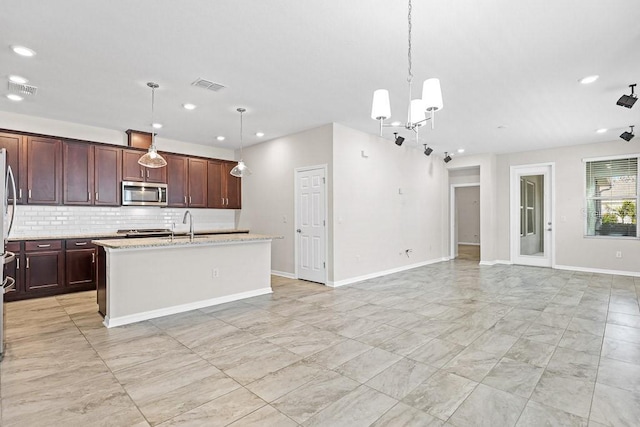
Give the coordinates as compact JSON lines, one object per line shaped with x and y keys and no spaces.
{"x":215,"y":171}
{"x":197,"y":183}
{"x":80,"y":267}
{"x":12,"y":143}
{"x":77,"y":180}
{"x":155,"y":174}
{"x":44,"y":271}
{"x":232,"y":187}
{"x":177,"y":181}
{"x":107,"y":179}
{"x":44,"y":170}
{"x":131,"y":169}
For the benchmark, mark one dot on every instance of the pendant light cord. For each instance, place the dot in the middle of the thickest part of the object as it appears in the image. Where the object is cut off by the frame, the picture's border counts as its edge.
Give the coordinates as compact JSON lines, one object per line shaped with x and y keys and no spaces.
{"x":241,"y":114}
{"x":410,"y":74}
{"x":153,"y":101}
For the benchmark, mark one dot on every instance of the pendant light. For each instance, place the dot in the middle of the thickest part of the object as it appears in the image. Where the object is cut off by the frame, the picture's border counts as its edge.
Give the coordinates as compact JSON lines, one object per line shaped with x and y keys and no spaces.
{"x":151,"y":159}
{"x":241,"y":170}
{"x":431,"y":100}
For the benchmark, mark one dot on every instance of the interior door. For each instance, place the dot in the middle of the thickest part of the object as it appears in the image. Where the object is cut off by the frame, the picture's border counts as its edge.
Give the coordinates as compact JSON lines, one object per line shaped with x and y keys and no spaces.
{"x":531,"y":215}
{"x":310,"y":225}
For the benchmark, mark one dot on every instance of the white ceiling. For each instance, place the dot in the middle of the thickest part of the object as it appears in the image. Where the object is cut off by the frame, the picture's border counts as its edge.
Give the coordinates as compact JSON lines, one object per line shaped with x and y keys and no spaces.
{"x":297,"y":64}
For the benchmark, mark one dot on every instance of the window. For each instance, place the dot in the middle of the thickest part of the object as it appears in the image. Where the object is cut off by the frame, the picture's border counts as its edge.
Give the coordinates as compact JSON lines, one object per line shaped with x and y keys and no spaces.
{"x":527,"y":206}
{"x":612,"y":197}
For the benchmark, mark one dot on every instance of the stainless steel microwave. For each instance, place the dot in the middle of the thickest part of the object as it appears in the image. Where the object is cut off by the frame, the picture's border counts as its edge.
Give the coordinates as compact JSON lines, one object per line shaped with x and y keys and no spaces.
{"x":143,"y":194}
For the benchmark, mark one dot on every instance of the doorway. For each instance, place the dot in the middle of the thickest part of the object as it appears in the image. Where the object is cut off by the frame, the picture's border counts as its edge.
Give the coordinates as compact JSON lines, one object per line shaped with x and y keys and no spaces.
{"x":465,"y":221}
{"x":531,"y":215}
{"x":311,"y":224}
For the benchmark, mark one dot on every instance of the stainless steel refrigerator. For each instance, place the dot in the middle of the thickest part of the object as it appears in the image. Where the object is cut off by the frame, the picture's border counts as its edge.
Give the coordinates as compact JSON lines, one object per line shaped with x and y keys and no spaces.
{"x":8,"y":210}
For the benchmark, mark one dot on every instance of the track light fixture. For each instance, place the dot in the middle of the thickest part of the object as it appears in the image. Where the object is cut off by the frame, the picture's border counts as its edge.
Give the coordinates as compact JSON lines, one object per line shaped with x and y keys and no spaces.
{"x":627,"y":136}
{"x":447,"y":157}
{"x":427,"y":150}
{"x":398,"y":139}
{"x":627,"y":101}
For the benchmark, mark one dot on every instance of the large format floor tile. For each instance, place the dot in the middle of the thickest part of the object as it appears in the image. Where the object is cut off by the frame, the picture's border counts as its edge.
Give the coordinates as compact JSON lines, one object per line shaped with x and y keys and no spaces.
{"x":452,"y":343}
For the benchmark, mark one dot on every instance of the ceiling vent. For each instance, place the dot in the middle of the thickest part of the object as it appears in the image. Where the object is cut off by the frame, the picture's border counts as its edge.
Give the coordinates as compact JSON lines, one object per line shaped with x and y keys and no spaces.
{"x":208,"y":84}
{"x":22,"y":88}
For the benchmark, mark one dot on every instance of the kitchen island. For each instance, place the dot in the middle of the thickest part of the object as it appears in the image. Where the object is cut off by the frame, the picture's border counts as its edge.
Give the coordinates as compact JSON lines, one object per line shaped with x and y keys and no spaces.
{"x":141,"y":279}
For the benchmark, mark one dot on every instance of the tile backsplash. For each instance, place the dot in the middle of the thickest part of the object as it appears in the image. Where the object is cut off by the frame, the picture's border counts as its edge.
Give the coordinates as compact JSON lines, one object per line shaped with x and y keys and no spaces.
{"x":39,"y":221}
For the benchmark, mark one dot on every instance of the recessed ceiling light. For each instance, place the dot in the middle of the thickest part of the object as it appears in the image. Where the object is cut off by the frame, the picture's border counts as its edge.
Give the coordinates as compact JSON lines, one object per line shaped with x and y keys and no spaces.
{"x":156,"y":125}
{"x":602,"y":130}
{"x":588,"y":79}
{"x":189,"y":106}
{"x":220,"y":138}
{"x":23,"y":51}
{"x":18,"y":80}
{"x":460,"y":150}
{"x":259,"y":134}
{"x":14,"y":97}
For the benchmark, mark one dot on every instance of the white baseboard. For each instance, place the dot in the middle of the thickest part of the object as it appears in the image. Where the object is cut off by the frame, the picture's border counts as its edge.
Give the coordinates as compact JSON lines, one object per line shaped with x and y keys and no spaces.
{"x":283,"y":274}
{"x":598,"y":270}
{"x":152,"y":314}
{"x":495,"y":261}
{"x":469,"y":243}
{"x":383,"y":273}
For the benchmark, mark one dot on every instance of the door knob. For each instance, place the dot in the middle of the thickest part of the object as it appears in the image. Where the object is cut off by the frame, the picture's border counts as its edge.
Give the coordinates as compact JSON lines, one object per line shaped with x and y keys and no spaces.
{"x":548,"y":229}
{"x":298,"y":231}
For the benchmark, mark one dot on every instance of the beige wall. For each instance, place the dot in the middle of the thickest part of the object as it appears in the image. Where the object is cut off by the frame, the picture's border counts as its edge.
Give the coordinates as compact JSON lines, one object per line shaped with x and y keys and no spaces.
{"x":385,"y":202}
{"x":572,"y":248}
{"x":268,"y":195}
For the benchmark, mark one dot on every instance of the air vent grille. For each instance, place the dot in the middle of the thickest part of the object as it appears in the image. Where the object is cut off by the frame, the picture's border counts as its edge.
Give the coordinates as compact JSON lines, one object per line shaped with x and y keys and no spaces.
{"x":22,"y":88}
{"x":208,"y":84}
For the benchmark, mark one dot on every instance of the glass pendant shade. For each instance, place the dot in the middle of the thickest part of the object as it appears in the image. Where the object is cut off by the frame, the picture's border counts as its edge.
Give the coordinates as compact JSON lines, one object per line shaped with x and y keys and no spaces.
{"x":432,"y":95}
{"x":240,"y":170}
{"x":151,"y":159}
{"x":381,"y":108}
{"x":416,"y":112}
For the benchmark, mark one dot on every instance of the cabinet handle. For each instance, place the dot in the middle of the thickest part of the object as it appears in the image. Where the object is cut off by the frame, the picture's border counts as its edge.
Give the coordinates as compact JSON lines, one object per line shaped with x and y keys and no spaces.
{"x":189,"y":199}
{"x":17,"y":263}
{"x":29,"y":193}
{"x":223,"y":201}
{"x":20,"y":193}
{"x":185,"y":200}
{"x":81,"y":243}
{"x":147,"y":173}
{"x":93,"y":258}
{"x":27,"y":263}
{"x":44,"y":246}
{"x":89,"y":195}
{"x":96,"y":196}
{"x":141,"y":173}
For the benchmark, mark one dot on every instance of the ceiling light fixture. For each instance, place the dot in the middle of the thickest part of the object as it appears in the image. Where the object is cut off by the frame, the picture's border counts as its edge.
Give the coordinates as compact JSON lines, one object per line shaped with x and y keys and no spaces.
{"x":460,"y":150}
{"x":626,"y":135}
{"x":259,"y":134}
{"x":156,"y":125}
{"x":14,"y":97}
{"x":627,"y":101}
{"x":602,"y":130}
{"x":151,"y":159}
{"x":220,"y":138}
{"x":241,"y":170}
{"x":18,"y":80}
{"x":589,"y":79}
{"x":447,"y":157}
{"x":23,"y":51}
{"x":398,"y":139}
{"x":189,"y":106}
{"x":427,"y":150}
{"x":431,"y":100}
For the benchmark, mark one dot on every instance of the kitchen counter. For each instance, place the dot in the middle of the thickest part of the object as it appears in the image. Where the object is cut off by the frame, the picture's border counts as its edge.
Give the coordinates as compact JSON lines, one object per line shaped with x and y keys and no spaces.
{"x":146,"y":278}
{"x":115,"y":235}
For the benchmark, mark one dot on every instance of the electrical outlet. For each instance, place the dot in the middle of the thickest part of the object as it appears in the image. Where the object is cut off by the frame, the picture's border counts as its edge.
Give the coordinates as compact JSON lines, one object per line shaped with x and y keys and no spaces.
{"x":619,"y":254}
{"x":215,"y":273}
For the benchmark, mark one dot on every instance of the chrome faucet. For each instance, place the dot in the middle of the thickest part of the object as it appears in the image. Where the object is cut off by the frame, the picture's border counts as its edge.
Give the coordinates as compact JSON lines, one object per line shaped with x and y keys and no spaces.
{"x":184,"y":221}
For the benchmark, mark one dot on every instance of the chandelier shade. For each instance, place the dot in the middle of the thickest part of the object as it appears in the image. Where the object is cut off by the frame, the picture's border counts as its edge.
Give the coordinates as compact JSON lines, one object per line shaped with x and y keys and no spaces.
{"x":432,"y":95}
{"x":381,"y":107}
{"x":151,"y":159}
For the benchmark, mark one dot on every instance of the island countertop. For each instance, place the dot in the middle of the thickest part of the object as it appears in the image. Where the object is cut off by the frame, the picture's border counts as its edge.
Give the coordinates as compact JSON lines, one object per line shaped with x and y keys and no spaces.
{"x":151,"y":242}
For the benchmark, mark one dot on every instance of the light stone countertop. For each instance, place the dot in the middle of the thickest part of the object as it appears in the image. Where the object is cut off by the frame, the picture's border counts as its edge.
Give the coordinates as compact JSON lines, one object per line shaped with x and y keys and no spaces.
{"x":156,"y":242}
{"x":106,"y":235}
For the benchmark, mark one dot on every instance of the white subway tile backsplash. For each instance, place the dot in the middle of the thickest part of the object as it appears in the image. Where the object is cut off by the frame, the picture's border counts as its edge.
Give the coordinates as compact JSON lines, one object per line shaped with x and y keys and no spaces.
{"x":40,"y":221}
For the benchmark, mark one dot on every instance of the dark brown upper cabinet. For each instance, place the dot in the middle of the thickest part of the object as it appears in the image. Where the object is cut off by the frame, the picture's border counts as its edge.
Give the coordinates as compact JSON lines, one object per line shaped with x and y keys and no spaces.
{"x":177,"y":181}
{"x":133,"y":171}
{"x":197,"y":183}
{"x":91,"y":174}
{"x":106,"y":175}
{"x":224,"y":189}
{"x":44,"y":170}
{"x":13,"y":144}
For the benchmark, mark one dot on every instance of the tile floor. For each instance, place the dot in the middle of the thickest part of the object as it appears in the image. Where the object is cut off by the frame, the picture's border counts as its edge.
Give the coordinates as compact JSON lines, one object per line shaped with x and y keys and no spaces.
{"x":448,"y":344}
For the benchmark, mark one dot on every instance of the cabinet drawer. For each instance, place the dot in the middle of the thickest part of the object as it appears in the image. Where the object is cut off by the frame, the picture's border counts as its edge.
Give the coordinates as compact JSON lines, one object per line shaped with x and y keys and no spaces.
{"x":80,"y":244}
{"x":42,"y":245}
{"x":12,"y":247}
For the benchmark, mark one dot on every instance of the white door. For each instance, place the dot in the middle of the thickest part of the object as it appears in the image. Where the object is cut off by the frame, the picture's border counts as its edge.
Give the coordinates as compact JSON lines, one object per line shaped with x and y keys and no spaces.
{"x":532,"y":215}
{"x":311,"y":224}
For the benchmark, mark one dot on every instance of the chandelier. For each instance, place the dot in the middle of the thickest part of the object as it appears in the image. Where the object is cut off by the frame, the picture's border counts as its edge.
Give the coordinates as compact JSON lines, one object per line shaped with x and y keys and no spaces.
{"x":430,"y":102}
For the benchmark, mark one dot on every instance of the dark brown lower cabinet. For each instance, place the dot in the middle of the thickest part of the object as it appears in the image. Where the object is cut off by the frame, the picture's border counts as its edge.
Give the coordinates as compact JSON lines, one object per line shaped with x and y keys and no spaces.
{"x":44,"y":266}
{"x":80,"y":264}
